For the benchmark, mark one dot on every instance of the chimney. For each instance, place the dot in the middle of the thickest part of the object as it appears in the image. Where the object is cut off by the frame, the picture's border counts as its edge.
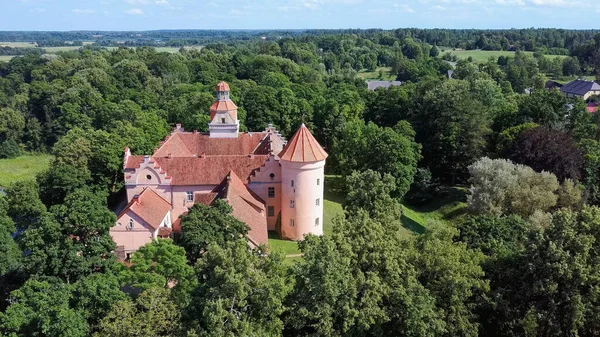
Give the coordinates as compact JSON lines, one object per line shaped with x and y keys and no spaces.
{"x":195,"y":132}
{"x":202,"y":155}
{"x":126,"y":156}
{"x":146,"y":159}
{"x":178,"y":127}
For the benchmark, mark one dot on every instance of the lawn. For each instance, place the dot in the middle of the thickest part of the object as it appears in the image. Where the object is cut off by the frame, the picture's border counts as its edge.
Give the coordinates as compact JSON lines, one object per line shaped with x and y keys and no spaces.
{"x":6,"y":58}
{"x":22,"y":168}
{"x":374,"y":75}
{"x":447,"y":207}
{"x":481,"y":56}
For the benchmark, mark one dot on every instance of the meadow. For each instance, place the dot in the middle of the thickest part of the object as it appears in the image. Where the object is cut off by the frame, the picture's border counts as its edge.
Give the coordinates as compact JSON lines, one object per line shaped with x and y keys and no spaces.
{"x":375,"y":75}
{"x":22,"y":168}
{"x":481,"y":56}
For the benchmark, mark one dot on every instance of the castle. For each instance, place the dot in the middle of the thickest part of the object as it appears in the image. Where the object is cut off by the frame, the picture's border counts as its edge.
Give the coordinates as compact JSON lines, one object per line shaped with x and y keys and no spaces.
{"x":270,"y":183}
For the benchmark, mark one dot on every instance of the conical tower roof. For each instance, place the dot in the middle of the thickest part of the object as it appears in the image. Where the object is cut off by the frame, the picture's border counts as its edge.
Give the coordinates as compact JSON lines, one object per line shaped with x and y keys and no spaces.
{"x":303,"y":147}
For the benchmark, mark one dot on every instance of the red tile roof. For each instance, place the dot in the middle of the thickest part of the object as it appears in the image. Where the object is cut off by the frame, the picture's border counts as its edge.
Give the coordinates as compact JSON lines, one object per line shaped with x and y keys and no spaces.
{"x":247,"y":207}
{"x":303,"y":147}
{"x":164,"y":232}
{"x":149,"y":206}
{"x":222,"y":86}
{"x":226,"y":105}
{"x":209,"y":170}
{"x":187,"y":144}
{"x":134,"y":162}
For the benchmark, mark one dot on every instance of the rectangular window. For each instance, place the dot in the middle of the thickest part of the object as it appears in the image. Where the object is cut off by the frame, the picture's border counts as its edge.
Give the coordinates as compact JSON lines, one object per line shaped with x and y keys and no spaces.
{"x":271,"y":211}
{"x":291,"y":222}
{"x":318,"y":202}
{"x":292,"y":184}
{"x":292,"y":203}
{"x":316,"y":221}
{"x":318,"y":181}
{"x":189,"y":196}
{"x":222,"y":120}
{"x":271,"y":192}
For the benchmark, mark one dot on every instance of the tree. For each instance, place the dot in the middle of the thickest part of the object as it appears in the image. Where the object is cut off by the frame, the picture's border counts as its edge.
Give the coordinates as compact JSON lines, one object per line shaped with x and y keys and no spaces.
{"x":95,"y":295}
{"x":59,"y":181}
{"x":383,"y":296}
{"x":453,"y":275}
{"x":371,"y":192}
{"x":452,"y":127}
{"x":494,"y":236}
{"x":507,"y":137}
{"x":41,"y":307}
{"x":548,"y":150}
{"x":434,"y":51}
{"x":362,"y":147}
{"x":72,"y":241}
{"x":501,"y":187}
{"x":204,"y":225}
{"x":153,"y":313}
{"x":161,"y":264}
{"x":24,"y":204}
{"x":570,"y":66}
{"x":240,"y":291}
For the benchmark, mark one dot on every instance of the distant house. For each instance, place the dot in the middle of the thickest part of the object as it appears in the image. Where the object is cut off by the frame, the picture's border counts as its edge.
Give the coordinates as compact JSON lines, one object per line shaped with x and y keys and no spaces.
{"x":450,"y":74}
{"x":382,"y":84}
{"x":592,"y":107}
{"x":581,"y":88}
{"x":552,"y":85}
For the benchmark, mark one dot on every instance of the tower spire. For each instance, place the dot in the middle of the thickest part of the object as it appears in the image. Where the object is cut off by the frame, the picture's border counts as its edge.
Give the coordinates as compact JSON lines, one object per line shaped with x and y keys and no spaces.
{"x":223,"y":115}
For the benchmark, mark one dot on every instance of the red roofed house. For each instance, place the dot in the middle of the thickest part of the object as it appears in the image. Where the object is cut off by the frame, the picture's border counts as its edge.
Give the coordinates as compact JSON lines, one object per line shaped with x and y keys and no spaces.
{"x":259,"y":174}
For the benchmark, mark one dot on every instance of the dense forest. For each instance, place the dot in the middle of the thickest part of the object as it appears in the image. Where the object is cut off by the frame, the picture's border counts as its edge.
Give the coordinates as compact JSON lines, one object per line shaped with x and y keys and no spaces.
{"x":521,"y":261}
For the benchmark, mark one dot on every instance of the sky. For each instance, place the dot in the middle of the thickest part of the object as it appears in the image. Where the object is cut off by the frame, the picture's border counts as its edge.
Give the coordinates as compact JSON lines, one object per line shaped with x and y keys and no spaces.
{"x":64,"y":15}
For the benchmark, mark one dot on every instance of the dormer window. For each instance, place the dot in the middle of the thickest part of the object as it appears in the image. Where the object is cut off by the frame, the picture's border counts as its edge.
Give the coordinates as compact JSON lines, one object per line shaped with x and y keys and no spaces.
{"x":189,"y":196}
{"x":222,"y":120}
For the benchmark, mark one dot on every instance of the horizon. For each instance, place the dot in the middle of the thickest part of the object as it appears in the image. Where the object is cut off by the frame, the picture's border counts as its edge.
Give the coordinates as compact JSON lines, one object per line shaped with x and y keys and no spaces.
{"x":151,"y":15}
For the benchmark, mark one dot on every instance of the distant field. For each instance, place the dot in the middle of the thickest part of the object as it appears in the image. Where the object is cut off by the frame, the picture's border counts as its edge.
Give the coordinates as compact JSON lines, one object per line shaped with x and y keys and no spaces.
{"x":483,"y":55}
{"x":22,"y":168}
{"x":18,"y":44}
{"x":374,"y":75}
{"x":5,"y":58}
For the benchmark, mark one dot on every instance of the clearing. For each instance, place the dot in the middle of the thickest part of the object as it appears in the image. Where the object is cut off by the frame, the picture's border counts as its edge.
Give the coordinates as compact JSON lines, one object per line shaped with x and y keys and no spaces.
{"x":22,"y":168}
{"x":481,"y":56}
{"x":374,"y":75}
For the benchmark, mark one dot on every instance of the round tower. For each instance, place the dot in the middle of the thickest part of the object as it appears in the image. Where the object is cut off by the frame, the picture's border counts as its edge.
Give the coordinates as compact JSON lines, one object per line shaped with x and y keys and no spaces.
{"x":302,"y":178}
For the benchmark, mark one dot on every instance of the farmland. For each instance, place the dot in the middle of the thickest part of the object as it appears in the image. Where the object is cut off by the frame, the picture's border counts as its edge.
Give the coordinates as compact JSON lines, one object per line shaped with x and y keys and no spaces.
{"x":480,"y":56}
{"x":22,"y":168}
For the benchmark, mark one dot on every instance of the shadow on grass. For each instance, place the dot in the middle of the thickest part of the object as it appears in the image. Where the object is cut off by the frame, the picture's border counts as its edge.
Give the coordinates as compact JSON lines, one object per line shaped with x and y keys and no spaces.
{"x":444,"y":197}
{"x":334,"y":189}
{"x":412,"y":225}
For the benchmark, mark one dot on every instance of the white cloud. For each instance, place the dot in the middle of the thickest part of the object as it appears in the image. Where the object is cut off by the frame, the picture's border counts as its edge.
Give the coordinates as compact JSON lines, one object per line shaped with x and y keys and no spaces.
{"x":555,"y":3}
{"x":511,"y":2}
{"x":161,"y":2}
{"x":82,"y":11}
{"x":404,"y":8}
{"x":134,"y":11}
{"x":439,"y":8}
{"x":138,"y":2}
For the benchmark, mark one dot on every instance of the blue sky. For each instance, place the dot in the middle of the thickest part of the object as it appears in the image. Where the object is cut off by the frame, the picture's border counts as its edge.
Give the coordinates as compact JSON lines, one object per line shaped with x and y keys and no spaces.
{"x":294,"y":14}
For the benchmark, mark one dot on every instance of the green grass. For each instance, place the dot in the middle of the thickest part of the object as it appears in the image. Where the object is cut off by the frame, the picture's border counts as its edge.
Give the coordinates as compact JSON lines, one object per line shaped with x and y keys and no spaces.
{"x":481,"y":56}
{"x":22,"y":168}
{"x":448,"y":206}
{"x":374,"y":75}
{"x":18,"y":44}
{"x":5,"y":58}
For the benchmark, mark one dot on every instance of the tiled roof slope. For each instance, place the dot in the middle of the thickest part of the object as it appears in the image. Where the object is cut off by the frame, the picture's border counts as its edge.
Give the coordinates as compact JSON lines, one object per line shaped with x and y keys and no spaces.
{"x":580,"y":87}
{"x":209,"y":170}
{"x":185,"y":144}
{"x":149,"y":206}
{"x":303,"y":147}
{"x":247,"y":207}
